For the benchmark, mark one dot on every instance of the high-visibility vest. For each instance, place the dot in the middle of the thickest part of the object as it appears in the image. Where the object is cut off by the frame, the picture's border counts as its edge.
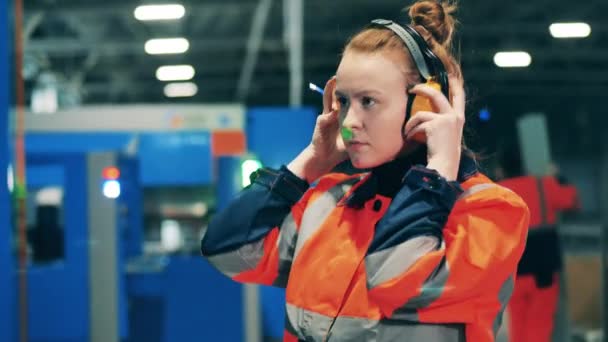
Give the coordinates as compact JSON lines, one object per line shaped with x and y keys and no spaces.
{"x":450,"y":287}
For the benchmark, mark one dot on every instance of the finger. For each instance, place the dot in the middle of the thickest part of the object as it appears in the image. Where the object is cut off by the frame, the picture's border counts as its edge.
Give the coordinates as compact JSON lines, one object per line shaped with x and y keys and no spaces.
{"x":457,"y":93}
{"x":419,"y":130}
{"x":335,"y":106}
{"x":329,"y":118}
{"x":419,"y":118}
{"x":328,"y":95}
{"x":439,"y":101}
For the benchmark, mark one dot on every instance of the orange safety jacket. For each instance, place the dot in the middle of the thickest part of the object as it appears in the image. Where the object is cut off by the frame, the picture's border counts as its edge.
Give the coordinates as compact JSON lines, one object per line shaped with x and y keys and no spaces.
{"x":434,"y":263}
{"x":545,"y":197}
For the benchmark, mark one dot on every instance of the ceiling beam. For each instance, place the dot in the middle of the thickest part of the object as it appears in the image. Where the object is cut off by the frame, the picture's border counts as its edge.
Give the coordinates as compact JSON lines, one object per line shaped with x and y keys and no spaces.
{"x":70,"y":47}
{"x":120,"y":7}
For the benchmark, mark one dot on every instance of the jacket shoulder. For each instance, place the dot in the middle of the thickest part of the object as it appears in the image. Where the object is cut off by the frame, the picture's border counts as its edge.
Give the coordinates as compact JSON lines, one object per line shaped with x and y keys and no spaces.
{"x":481,"y":190}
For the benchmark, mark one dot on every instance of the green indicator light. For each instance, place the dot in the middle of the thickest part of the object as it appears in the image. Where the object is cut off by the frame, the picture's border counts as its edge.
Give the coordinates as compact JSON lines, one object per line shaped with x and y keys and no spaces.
{"x":248,"y":167}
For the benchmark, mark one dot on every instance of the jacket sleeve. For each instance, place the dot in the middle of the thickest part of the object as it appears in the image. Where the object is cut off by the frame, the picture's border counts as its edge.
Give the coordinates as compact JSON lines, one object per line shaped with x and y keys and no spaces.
{"x":252,"y":240}
{"x":482,"y":240}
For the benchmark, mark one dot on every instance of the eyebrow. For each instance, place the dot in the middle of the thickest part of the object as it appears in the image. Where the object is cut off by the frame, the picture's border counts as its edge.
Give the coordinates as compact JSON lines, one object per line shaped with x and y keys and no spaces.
{"x":361,"y":93}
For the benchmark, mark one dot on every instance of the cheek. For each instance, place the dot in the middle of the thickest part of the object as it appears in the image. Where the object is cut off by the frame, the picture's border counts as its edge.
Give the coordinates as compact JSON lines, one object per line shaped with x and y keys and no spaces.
{"x":388,"y":135}
{"x":389,"y":128}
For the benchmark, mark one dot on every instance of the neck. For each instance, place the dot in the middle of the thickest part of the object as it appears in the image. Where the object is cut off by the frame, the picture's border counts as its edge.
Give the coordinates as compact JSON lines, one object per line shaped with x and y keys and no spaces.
{"x":389,"y":176}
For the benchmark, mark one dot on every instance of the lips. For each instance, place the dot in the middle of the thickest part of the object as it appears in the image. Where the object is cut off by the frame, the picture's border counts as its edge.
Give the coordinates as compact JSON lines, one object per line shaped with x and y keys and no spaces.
{"x":355,"y":145}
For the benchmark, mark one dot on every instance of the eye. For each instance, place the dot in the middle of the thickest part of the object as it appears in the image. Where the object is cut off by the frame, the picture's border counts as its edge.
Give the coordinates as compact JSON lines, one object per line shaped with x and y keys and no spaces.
{"x":343,"y":101}
{"x":367,"y":102}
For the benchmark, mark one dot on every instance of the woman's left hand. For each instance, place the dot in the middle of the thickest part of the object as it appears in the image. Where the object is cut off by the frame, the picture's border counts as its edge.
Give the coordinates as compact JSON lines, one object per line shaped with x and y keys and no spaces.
{"x":443,"y":129}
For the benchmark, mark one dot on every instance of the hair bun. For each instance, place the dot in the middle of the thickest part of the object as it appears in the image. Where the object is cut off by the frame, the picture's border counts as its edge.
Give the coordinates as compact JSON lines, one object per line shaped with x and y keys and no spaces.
{"x":436,"y":18}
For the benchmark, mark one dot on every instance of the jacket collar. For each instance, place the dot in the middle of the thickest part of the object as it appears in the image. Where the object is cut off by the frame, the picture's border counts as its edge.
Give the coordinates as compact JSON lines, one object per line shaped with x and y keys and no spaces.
{"x":391,"y":175}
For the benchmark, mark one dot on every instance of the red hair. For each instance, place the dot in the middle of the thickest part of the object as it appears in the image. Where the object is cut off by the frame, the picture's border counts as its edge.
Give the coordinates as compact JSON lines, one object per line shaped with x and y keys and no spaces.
{"x":433,"y":20}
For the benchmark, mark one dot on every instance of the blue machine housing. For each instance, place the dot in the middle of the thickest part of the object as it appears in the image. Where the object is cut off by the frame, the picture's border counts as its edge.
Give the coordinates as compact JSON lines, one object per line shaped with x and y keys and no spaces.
{"x":59,"y":289}
{"x":166,"y":159}
{"x":59,"y":307}
{"x":170,"y":298}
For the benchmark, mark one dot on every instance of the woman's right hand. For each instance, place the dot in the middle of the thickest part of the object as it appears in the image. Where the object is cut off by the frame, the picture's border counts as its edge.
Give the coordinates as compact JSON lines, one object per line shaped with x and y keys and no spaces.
{"x":326,"y":149}
{"x":327,"y":144}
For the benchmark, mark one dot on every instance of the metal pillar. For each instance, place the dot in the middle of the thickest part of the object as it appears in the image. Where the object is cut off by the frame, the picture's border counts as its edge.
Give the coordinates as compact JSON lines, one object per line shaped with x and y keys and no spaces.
{"x":103,"y":253}
{"x":534,"y":143}
{"x":294,"y":37}
{"x":228,"y":185}
{"x":256,"y":36}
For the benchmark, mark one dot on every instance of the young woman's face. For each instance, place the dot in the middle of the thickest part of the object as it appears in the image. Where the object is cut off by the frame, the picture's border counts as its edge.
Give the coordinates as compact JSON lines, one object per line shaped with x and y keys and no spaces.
{"x":371,"y":93}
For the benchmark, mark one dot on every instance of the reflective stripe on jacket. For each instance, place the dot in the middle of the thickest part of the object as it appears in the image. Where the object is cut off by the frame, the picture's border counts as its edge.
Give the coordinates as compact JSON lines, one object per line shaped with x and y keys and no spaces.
{"x":435,"y":263}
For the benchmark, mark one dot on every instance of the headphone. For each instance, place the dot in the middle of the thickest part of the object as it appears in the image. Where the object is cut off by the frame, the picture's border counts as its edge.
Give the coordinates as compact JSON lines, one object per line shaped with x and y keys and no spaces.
{"x":431,"y":69}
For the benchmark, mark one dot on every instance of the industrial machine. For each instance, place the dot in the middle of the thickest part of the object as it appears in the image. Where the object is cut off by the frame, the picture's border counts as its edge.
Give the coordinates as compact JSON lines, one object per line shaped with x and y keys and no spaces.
{"x":118,"y":198}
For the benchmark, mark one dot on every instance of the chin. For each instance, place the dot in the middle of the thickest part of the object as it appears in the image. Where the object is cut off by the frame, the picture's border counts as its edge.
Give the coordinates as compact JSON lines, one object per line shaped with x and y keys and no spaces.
{"x":360,"y":162}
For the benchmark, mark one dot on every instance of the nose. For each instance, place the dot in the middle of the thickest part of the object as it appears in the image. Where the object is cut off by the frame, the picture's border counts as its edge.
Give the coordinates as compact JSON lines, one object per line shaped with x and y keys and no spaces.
{"x":352,"y":119}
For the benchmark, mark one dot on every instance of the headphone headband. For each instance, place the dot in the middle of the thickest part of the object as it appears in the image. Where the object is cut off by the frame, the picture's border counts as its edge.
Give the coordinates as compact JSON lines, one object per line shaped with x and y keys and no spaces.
{"x":428,"y":64}
{"x":409,"y":41}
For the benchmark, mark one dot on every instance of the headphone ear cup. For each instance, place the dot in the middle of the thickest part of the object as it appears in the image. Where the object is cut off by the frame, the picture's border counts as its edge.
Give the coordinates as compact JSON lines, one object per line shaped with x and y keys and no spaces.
{"x":422,"y":103}
{"x":417,"y":104}
{"x":414,"y":105}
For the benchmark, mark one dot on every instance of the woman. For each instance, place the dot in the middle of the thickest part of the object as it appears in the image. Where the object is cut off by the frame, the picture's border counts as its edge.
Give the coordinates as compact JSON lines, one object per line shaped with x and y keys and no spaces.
{"x":421,"y":248}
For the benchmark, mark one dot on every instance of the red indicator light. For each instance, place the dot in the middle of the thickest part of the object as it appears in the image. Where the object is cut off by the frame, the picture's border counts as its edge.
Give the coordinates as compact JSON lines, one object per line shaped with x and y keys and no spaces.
{"x":111,"y":173}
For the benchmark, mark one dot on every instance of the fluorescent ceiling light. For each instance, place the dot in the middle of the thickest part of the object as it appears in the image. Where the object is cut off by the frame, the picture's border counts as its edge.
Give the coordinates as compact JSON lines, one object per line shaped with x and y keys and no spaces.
{"x":512,"y":59}
{"x":175,"y":73}
{"x":167,"y":46}
{"x":570,"y":30}
{"x":159,"y":12}
{"x":182,"y":89}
